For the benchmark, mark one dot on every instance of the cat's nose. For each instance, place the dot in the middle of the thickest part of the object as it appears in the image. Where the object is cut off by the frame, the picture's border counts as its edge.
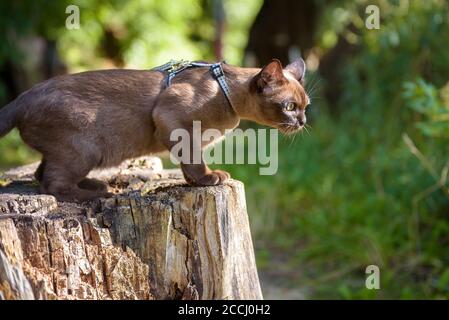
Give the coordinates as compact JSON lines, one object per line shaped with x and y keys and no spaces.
{"x":302,"y":121}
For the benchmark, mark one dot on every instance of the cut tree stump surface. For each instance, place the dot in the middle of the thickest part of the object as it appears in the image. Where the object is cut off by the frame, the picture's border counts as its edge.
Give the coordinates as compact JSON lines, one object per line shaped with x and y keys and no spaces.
{"x":158,"y":238}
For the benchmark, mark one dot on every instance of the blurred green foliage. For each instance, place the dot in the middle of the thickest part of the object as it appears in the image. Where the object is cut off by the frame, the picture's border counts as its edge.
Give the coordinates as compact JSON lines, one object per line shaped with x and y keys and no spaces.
{"x":366,"y":186}
{"x":369,"y":186}
{"x":14,"y":152}
{"x":150,"y":32}
{"x":428,"y":101}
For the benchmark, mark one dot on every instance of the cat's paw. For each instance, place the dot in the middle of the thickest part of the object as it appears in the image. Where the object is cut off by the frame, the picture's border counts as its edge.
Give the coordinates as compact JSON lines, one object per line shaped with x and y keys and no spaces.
{"x":213,"y":178}
{"x":223,"y":175}
{"x":93,"y":184}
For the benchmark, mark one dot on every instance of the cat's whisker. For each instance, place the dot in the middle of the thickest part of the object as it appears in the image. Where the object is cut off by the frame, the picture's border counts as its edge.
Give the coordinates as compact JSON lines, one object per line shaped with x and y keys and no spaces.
{"x":294,"y":136}
{"x":305,"y":128}
{"x":315,"y":95}
{"x":291,"y":142}
{"x":311,"y":89}
{"x":315,"y":83}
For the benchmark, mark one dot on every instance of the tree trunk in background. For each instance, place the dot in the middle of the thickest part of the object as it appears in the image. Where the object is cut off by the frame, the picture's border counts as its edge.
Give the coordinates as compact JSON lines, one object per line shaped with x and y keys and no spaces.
{"x":157,"y":239}
{"x":283,"y":29}
{"x":280,"y":28}
{"x":39,"y":61}
{"x":332,"y":65}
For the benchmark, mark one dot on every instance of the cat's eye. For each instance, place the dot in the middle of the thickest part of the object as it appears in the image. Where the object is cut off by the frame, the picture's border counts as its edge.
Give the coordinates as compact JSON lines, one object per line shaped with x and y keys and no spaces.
{"x":290,"y":106}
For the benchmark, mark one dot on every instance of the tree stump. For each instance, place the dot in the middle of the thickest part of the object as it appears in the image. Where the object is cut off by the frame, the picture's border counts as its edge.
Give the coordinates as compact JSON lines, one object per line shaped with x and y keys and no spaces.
{"x":158,"y":238}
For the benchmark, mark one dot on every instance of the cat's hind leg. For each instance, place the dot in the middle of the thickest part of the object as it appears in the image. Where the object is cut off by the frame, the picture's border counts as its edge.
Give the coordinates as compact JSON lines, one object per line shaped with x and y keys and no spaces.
{"x":92,"y":184}
{"x":39,"y":176}
{"x":39,"y":173}
{"x":61,"y":178}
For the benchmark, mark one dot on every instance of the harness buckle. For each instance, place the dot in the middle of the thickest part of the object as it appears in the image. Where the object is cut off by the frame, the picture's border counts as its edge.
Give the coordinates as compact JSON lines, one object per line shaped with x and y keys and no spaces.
{"x":217,"y":71}
{"x":178,"y":65}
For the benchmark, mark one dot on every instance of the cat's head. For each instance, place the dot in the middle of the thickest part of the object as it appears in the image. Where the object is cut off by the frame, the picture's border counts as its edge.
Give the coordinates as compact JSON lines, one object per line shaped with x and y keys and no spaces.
{"x":280,"y":97}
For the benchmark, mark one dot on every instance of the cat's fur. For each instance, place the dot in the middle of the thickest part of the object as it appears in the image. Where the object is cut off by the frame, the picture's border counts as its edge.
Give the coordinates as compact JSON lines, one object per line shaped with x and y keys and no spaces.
{"x":100,"y":118}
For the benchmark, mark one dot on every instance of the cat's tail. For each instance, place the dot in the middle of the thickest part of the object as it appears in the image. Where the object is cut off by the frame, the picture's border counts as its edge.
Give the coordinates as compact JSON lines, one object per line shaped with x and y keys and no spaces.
{"x":8,"y":115}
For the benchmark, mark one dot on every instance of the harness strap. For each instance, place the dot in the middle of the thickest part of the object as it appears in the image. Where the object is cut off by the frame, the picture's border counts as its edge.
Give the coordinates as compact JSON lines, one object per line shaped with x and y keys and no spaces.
{"x":172,"y":68}
{"x":218,"y":74}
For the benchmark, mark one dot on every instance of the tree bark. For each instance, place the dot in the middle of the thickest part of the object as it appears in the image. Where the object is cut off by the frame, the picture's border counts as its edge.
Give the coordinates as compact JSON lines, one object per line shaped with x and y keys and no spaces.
{"x":158,"y":238}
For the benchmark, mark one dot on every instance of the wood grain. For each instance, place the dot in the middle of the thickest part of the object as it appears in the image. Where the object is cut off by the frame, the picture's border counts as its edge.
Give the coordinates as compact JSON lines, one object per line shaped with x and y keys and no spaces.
{"x":158,"y":238}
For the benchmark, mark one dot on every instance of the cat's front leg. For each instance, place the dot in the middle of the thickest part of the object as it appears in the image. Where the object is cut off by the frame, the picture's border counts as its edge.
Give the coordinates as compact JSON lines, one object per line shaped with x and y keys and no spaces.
{"x":201,"y":175}
{"x":189,"y":154}
{"x":197,"y":173}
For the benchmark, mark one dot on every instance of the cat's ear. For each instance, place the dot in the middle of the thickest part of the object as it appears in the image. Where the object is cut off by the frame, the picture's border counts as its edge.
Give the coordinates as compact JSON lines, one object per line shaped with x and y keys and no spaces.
{"x":271,"y":75}
{"x":297,"y":68}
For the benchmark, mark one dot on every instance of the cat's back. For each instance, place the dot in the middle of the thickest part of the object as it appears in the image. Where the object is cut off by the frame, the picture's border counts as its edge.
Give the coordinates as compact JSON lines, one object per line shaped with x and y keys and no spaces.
{"x":92,"y":94}
{"x":112,"y":81}
{"x":113,"y":84}
{"x":100,"y":88}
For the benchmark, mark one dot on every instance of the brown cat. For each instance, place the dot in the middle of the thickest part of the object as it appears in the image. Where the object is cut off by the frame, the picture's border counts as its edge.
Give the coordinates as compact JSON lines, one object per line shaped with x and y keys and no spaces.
{"x":100,"y":118}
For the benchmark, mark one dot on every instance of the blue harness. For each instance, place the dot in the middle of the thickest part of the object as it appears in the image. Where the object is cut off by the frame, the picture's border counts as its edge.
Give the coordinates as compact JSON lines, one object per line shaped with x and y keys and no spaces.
{"x":172,"y":68}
